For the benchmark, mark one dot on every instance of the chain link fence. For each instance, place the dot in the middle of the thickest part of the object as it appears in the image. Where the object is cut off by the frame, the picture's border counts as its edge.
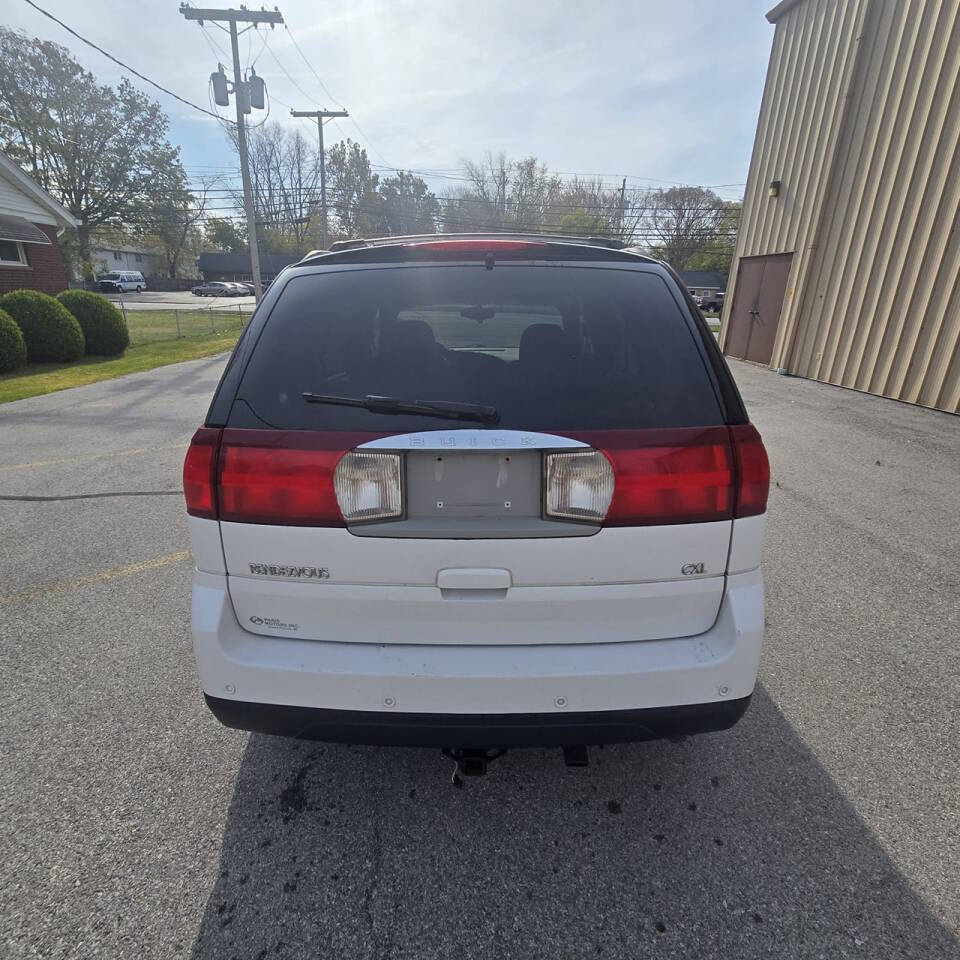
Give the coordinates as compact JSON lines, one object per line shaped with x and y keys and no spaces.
{"x":163,"y":321}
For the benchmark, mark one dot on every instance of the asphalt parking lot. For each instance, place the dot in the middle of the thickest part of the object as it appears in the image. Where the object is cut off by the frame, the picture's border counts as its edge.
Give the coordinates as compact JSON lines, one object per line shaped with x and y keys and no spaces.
{"x":824,"y":825}
{"x":177,"y":299}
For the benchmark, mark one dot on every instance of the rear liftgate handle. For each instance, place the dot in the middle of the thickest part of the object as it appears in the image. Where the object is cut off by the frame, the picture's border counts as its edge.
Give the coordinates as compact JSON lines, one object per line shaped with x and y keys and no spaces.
{"x":474,"y":583}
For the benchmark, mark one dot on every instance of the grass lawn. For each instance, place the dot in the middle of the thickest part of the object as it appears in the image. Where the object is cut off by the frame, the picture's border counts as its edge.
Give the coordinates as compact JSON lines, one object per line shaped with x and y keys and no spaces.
{"x":37,"y":378}
{"x":146,"y":326}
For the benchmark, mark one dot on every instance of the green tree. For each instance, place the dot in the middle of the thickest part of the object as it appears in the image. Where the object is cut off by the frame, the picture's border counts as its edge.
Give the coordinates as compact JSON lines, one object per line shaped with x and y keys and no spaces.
{"x":717,"y":254}
{"x":352,"y":186}
{"x":406,"y":206}
{"x":226,"y":235}
{"x":102,"y":151}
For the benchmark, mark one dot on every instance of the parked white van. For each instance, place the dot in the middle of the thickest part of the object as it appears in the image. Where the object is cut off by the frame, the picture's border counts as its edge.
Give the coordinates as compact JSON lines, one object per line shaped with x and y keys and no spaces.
{"x":122,"y":281}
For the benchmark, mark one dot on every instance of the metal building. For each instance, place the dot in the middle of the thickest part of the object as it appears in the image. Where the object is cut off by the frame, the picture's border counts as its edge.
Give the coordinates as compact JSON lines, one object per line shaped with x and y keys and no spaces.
{"x":847,"y":265}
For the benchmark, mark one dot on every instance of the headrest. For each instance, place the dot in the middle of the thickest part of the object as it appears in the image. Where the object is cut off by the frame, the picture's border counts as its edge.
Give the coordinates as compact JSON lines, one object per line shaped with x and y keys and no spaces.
{"x":542,"y":342}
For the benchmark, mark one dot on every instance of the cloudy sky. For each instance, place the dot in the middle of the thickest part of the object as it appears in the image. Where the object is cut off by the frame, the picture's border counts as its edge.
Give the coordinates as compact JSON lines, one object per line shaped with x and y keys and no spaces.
{"x":657,"y":91}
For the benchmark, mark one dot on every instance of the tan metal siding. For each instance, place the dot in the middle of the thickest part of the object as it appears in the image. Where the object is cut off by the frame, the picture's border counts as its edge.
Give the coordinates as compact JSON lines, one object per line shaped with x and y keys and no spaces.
{"x":809,"y":76}
{"x":861,"y":121}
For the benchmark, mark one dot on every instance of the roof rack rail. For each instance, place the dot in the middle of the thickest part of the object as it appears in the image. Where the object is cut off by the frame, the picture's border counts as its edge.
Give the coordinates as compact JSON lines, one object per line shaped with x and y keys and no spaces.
{"x":339,"y":245}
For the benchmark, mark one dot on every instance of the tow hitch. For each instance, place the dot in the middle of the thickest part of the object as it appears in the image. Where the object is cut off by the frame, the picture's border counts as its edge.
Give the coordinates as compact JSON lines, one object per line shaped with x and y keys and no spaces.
{"x":474,"y":762}
{"x":470,"y":762}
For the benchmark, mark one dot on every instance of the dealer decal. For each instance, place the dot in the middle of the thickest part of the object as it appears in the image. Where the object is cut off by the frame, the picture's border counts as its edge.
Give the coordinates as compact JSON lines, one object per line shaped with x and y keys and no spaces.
{"x":274,"y":624}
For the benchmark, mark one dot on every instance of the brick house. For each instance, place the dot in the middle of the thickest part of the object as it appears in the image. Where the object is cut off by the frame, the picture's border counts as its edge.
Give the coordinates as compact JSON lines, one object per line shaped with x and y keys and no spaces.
{"x":30,"y":222}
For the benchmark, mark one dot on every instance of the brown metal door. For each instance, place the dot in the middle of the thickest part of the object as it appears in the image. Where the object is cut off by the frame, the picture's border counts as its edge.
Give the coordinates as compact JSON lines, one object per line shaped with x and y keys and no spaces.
{"x":766,"y":318}
{"x":749,"y":277}
{"x":755,"y":314}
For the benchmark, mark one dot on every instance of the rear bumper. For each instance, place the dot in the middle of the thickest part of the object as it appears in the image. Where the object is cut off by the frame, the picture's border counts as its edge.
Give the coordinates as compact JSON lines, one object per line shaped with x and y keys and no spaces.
{"x":482,"y":731}
{"x":385,"y":692}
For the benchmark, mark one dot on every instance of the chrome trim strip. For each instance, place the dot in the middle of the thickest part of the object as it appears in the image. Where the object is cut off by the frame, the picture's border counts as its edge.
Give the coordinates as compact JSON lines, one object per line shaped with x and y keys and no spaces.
{"x":472,"y":439}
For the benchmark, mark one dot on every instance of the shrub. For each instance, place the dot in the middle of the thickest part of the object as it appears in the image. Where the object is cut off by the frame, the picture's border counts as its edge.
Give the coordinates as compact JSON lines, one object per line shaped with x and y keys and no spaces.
{"x":51,"y":332}
{"x":13,"y":348}
{"x":102,"y":323}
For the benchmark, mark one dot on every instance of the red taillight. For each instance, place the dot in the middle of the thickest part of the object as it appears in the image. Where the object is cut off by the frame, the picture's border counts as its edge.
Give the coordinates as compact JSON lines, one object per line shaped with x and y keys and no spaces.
{"x":282,"y":476}
{"x":278,"y":484}
{"x":667,"y":476}
{"x":199,"y":473}
{"x":475,"y":246}
{"x":753,"y":470}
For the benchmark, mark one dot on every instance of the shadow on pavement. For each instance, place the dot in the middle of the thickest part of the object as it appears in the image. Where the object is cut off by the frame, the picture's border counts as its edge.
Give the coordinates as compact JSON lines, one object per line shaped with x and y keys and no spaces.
{"x":731,"y":845}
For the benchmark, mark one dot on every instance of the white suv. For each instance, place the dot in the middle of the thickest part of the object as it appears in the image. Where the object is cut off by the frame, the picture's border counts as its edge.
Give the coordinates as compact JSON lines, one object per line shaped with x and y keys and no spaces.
{"x":477,"y":493}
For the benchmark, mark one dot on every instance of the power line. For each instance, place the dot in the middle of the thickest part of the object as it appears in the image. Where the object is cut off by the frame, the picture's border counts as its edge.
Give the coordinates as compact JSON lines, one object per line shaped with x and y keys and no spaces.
{"x":215,"y":47}
{"x":263,"y":46}
{"x":125,"y":66}
{"x":276,"y":59}
{"x":323,"y":86}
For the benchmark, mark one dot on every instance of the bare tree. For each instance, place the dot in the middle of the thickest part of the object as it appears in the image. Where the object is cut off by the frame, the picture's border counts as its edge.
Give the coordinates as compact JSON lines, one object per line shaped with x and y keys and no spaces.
{"x":173,"y":220}
{"x":285,"y":179}
{"x":682,"y":221}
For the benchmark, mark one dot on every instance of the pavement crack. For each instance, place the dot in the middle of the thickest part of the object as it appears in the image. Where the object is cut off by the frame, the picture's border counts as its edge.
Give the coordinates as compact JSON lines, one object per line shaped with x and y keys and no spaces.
{"x":23,"y":498}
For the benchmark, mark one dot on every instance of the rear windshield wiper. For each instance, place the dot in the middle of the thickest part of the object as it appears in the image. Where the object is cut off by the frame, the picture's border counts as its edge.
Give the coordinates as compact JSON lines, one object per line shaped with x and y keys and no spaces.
{"x":444,"y":409}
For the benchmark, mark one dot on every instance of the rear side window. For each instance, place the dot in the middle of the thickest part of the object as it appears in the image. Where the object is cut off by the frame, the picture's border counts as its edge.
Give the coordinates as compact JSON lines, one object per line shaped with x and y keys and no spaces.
{"x":551,"y":347}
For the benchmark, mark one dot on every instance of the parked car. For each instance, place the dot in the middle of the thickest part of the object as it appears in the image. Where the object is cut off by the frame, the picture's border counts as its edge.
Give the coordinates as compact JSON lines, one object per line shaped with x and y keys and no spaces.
{"x":213,"y":288}
{"x":122,"y":281}
{"x":477,"y":508}
{"x":712,"y":303}
{"x":248,"y":288}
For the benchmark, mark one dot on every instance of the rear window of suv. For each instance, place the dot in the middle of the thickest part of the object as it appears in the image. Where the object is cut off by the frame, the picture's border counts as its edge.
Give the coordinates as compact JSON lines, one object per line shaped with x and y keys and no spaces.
{"x":551,"y":347}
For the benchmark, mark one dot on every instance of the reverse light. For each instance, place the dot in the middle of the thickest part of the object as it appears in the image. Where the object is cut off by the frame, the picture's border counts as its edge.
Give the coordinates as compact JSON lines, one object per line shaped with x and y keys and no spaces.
{"x":368,"y":486}
{"x":579,"y":485}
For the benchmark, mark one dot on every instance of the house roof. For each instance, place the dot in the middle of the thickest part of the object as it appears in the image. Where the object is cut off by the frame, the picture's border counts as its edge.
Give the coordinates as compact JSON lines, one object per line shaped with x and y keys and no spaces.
{"x":704,"y":278}
{"x":101,"y":245}
{"x":33,"y":190}
{"x":240,"y":262}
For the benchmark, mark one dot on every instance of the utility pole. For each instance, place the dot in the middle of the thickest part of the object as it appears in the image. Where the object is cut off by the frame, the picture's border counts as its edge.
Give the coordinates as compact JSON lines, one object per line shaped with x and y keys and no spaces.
{"x":623,"y":207}
{"x":321,"y":115}
{"x":242,"y":100}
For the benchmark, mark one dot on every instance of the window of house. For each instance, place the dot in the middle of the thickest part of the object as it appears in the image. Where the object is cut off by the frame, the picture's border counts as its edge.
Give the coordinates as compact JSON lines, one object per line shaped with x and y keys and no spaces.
{"x":138,"y":258}
{"x":117,"y":255}
{"x":11,"y":251}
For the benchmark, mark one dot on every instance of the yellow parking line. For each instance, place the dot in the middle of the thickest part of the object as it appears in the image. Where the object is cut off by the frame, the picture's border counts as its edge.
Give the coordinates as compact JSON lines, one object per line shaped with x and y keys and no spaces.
{"x":93,"y":456}
{"x":128,"y":571}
